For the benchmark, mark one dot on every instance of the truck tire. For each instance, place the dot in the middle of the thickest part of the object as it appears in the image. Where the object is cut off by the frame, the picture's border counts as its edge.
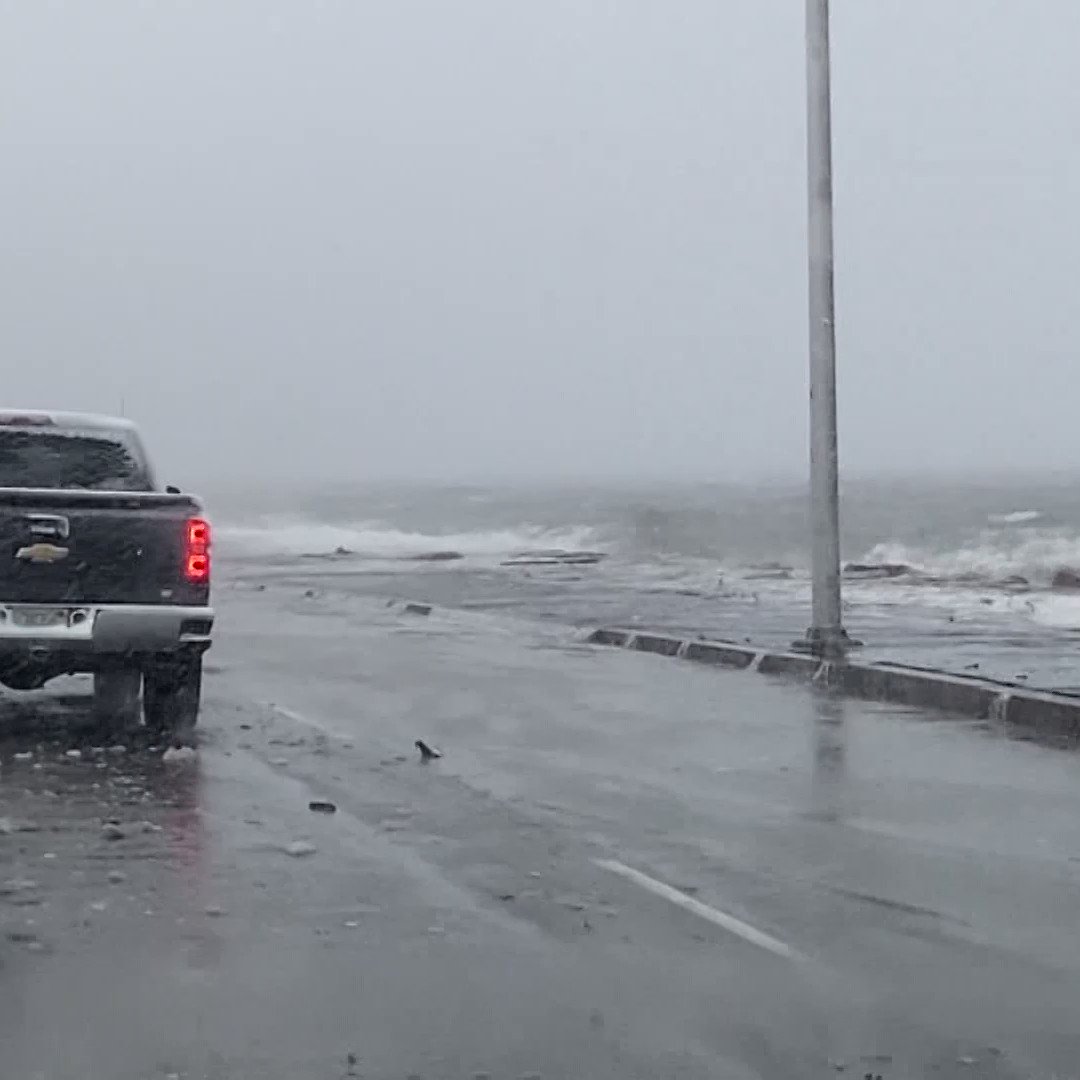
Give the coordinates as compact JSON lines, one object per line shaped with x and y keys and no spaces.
{"x":171,"y":694}
{"x":23,"y":677}
{"x":116,"y":697}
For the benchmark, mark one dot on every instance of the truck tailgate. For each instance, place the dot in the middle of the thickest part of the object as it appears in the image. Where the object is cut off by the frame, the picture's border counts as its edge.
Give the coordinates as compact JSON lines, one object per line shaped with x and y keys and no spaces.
{"x":86,"y":547}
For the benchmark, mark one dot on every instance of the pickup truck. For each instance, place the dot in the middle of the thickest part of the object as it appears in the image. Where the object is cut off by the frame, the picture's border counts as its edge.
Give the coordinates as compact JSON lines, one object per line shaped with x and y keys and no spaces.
{"x":101,"y":571}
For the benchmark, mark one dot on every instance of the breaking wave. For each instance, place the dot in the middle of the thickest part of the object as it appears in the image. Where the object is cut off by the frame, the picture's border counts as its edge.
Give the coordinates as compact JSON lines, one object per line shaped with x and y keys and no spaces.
{"x":285,"y":537}
{"x":1056,"y":612}
{"x":1036,"y":557}
{"x":995,"y":556}
{"x":1016,"y":517}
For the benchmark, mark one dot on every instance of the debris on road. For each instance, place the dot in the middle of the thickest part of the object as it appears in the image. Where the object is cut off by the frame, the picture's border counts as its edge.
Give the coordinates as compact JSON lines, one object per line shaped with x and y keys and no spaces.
{"x":321,"y":806}
{"x":117,"y":877}
{"x":17,"y":885}
{"x":279,"y":762}
{"x":112,"y":831}
{"x":298,"y":849}
{"x":417,"y":609}
{"x":179,"y":755}
{"x":427,"y":753}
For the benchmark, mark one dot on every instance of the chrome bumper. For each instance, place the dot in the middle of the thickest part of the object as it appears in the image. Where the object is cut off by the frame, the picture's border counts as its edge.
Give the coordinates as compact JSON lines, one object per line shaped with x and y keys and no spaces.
{"x":103,"y":628}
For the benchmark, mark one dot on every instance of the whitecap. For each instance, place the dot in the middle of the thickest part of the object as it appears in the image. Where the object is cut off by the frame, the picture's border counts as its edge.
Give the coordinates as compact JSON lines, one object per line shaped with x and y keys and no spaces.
{"x":1016,"y":517}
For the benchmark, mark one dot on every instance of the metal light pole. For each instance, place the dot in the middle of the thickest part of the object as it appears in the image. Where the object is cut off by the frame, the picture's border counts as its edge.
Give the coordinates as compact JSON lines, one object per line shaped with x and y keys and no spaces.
{"x":826,"y":636}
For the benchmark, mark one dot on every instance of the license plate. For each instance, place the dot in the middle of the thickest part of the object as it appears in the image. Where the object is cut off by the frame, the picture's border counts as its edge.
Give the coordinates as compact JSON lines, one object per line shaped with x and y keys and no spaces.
{"x":39,"y":617}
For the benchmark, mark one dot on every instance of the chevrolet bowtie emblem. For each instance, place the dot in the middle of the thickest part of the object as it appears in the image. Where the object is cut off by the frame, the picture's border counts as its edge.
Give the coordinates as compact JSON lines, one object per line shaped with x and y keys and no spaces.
{"x":42,"y":553}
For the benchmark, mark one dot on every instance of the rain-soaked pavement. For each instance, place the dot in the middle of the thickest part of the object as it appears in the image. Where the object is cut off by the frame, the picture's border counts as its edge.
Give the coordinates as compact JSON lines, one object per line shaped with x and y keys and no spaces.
{"x":622,"y":866}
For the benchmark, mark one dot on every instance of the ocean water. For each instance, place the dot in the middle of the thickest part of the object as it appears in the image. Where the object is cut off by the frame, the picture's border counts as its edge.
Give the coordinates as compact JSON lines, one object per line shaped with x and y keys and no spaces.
{"x":945,"y":574}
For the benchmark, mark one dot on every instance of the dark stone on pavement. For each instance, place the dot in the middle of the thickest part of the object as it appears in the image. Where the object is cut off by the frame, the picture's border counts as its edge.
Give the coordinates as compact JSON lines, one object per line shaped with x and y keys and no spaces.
{"x":556,"y":558}
{"x":427,"y":753}
{"x":1015,"y":581}
{"x":1066,"y":579}
{"x":877,"y":570}
{"x":769,"y":572}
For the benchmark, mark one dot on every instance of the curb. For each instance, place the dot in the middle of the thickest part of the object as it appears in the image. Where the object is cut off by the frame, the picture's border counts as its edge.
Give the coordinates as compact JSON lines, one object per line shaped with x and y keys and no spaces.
{"x":1042,"y":713}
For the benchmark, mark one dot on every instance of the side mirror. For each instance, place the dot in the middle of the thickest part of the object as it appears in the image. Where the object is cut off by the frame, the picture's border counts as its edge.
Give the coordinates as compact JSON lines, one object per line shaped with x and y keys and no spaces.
{"x":171,"y":490}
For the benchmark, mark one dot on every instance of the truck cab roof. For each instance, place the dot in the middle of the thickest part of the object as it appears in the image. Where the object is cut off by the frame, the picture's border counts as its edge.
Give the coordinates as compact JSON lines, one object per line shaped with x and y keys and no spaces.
{"x":50,"y":418}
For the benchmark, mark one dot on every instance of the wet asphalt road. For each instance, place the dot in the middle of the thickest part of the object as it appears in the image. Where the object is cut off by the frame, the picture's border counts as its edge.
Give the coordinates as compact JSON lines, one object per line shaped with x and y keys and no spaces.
{"x":623,"y":866}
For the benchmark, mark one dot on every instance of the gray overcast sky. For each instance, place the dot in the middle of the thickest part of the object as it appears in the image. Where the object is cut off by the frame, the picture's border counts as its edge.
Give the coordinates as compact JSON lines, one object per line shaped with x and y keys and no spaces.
{"x":456,"y":239}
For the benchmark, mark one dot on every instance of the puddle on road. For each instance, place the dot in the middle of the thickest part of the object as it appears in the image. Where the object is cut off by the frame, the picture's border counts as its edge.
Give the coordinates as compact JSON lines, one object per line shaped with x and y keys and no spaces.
{"x":84,"y":816}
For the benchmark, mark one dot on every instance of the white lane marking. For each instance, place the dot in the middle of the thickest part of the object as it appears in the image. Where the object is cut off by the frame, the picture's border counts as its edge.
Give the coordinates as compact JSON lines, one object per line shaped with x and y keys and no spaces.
{"x":304,"y":721}
{"x":294,"y":716}
{"x":702,"y":911}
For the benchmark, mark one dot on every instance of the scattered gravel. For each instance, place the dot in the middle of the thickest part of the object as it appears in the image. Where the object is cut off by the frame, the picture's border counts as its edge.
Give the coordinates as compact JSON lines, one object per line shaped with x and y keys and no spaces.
{"x":179,"y":755}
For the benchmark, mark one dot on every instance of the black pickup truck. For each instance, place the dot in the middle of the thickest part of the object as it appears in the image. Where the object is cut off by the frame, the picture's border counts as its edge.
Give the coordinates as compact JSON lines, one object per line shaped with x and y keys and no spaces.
{"x":101,"y":571}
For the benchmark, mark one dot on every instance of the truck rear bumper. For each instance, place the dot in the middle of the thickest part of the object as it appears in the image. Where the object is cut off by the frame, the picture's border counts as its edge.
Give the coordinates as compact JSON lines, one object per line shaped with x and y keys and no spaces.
{"x":44,"y":631}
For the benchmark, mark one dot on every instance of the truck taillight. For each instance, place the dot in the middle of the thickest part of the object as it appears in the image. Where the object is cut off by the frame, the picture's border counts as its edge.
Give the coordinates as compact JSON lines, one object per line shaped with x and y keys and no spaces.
{"x":197,"y":551}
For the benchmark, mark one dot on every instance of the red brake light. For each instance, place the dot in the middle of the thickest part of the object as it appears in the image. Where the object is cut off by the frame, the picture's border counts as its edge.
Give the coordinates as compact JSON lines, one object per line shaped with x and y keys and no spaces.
{"x":198,"y":533}
{"x":197,"y":552}
{"x":198,"y":569}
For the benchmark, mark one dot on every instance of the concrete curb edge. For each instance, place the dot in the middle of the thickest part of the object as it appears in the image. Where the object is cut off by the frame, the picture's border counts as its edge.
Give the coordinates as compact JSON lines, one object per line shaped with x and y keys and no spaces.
{"x":1042,"y":713}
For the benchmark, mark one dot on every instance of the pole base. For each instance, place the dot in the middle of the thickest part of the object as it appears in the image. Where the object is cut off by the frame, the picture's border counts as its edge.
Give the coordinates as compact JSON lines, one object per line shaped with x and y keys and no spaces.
{"x":827,"y":643}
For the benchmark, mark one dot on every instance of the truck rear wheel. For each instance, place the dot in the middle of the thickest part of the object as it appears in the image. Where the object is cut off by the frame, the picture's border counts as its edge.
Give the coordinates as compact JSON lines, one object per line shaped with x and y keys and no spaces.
{"x":171,"y":694}
{"x":116,"y":697}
